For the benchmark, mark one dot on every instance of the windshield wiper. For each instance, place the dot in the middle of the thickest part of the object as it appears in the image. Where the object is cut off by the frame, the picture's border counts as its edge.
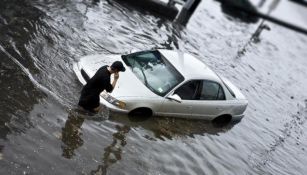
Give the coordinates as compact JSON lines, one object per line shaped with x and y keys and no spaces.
{"x":145,"y":79}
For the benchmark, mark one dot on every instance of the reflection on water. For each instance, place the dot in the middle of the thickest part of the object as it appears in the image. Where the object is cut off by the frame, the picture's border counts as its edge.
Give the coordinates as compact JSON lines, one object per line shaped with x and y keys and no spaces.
{"x":1,"y":155}
{"x":72,"y":139}
{"x":71,"y":135}
{"x":170,"y":128}
{"x":113,"y":152}
{"x":162,"y":128}
{"x":255,"y":37}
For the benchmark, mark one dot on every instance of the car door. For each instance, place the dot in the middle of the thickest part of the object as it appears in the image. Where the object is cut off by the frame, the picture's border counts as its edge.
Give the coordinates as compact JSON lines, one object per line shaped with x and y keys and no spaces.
{"x":210,"y":101}
{"x":187,"y":92}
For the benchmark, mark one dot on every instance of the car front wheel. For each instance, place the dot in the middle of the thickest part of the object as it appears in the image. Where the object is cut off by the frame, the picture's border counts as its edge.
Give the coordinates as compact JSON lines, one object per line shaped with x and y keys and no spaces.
{"x":141,"y":112}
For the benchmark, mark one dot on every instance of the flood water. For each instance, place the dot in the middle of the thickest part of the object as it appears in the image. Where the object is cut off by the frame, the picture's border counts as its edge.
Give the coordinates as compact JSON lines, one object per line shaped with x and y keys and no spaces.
{"x":40,"y":132}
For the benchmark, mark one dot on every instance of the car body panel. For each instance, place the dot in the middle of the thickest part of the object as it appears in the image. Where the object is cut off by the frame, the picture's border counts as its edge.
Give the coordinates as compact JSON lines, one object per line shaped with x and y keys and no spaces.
{"x":177,"y":109}
{"x":210,"y":108}
{"x":140,"y":102}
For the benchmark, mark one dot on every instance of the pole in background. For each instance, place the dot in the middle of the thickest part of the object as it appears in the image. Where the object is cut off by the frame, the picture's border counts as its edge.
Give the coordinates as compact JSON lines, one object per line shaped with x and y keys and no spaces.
{"x":187,"y":11}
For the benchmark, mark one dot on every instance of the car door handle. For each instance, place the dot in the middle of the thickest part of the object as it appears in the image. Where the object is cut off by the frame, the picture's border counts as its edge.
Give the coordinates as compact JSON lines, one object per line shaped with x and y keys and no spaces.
{"x":220,"y":109}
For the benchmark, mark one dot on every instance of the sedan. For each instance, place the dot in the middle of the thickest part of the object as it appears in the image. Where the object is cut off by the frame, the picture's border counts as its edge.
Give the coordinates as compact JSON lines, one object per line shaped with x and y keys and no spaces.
{"x":166,"y":83}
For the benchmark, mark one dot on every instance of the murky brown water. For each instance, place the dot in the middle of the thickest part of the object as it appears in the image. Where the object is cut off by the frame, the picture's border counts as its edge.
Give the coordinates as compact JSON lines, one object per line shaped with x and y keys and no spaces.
{"x":40,"y":132}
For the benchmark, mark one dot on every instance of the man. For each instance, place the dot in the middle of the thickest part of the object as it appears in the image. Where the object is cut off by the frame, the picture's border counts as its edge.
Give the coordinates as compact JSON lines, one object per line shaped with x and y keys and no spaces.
{"x":89,"y":99}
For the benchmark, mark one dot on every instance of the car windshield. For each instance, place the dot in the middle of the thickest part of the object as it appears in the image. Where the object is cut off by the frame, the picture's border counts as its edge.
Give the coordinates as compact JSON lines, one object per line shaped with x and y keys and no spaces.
{"x":154,"y":70}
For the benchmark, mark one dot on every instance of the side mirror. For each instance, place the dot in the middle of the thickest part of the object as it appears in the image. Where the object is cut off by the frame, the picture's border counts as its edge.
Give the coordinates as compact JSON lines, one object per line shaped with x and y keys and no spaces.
{"x":175,"y":97}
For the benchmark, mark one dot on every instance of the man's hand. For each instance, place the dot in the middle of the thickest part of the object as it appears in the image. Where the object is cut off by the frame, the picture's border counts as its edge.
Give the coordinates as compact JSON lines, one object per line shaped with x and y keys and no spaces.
{"x":116,"y":75}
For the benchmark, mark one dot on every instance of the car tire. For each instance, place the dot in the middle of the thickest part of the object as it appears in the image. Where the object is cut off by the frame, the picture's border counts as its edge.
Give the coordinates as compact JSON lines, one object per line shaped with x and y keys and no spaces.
{"x":141,"y":112}
{"x":221,"y":120}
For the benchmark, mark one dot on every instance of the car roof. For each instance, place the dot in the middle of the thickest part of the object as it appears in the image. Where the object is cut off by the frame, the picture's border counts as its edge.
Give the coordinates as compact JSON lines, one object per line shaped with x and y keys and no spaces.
{"x":189,"y":66}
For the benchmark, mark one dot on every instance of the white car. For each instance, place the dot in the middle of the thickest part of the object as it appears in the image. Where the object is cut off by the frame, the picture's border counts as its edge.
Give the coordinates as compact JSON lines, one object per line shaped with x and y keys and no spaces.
{"x":166,"y":83}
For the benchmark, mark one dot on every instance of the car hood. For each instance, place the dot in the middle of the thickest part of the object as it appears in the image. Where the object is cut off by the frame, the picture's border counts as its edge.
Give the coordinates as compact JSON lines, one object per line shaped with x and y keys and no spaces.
{"x":128,"y":85}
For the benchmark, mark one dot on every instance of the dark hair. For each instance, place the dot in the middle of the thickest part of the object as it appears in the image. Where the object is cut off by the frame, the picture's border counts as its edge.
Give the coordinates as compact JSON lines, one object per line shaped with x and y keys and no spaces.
{"x":118,"y":65}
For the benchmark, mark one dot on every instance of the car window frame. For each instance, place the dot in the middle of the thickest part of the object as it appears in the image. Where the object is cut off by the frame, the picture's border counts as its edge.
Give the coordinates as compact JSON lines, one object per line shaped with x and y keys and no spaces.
{"x":183,"y":83}
{"x":172,"y":92}
{"x":220,"y":87}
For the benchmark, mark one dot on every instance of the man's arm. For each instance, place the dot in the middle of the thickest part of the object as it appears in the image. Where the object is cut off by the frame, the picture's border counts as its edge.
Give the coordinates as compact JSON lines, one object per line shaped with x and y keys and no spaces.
{"x":116,"y":76}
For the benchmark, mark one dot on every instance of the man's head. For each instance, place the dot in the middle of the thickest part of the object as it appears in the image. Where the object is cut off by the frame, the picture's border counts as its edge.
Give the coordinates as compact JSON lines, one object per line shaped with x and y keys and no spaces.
{"x":118,"y":66}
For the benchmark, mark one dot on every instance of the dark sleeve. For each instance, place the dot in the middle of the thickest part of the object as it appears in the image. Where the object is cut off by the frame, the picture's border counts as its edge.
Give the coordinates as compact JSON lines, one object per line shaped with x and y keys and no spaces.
{"x":109,"y":87}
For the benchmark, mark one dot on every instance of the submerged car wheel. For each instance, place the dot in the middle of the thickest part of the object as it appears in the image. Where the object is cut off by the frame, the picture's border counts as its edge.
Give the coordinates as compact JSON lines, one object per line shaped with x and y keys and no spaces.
{"x":141,"y":112}
{"x":222,"y":120}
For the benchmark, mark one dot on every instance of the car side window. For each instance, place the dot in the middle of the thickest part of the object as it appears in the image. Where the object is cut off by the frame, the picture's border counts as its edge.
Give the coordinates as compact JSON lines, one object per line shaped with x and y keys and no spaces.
{"x":188,"y":90}
{"x":211,"y":91}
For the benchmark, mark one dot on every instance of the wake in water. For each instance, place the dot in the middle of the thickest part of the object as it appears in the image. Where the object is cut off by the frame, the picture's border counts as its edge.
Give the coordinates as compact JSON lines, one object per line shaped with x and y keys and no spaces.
{"x":31,"y":78}
{"x":292,"y":129}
